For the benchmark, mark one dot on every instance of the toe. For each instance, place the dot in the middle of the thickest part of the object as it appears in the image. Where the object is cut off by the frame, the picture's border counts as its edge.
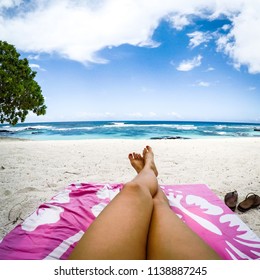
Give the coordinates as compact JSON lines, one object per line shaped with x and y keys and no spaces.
{"x":149,"y":149}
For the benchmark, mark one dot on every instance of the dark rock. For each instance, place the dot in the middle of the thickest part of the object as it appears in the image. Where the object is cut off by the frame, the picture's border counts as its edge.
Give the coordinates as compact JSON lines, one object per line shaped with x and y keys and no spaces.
{"x":168,"y":138}
{"x":256,"y":129}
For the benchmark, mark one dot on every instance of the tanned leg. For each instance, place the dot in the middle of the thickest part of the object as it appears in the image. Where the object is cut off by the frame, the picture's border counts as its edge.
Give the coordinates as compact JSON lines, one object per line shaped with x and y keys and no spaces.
{"x":170,"y":238}
{"x":121,"y":229}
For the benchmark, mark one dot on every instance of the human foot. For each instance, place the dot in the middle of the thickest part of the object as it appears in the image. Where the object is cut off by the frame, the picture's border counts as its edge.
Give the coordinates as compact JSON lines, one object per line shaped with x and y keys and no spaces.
{"x":137,"y":161}
{"x":148,"y":157}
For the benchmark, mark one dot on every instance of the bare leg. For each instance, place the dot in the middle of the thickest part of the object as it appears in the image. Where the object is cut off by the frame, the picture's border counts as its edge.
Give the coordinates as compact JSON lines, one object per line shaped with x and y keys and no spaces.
{"x":170,"y":238}
{"x":121,"y":229}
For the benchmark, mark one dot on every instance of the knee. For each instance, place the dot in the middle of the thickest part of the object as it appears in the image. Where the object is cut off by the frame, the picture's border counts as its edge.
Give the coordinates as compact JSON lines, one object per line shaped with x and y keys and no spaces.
{"x":134,"y":188}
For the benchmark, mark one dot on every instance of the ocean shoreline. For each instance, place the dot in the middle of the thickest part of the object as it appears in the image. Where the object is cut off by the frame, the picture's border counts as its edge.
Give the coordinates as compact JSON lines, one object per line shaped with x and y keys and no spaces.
{"x":129,"y":130}
{"x":31,"y":172}
{"x":13,"y":139}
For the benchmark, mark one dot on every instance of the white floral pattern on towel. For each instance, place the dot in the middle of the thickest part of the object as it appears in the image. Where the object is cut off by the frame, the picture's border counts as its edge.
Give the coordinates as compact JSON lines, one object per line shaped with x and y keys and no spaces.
{"x":53,"y":230}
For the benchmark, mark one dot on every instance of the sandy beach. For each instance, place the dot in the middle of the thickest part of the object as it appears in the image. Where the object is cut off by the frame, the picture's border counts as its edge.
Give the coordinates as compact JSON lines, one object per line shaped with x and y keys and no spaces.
{"x":31,"y":172}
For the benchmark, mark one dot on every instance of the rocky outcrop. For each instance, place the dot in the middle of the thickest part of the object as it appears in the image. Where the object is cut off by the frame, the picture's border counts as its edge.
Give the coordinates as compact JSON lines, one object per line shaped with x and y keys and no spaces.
{"x":168,"y":137}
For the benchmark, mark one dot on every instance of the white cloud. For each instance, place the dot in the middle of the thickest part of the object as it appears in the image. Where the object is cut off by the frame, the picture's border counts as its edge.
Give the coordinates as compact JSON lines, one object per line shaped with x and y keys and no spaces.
{"x":83,"y":115}
{"x":149,"y":43}
{"x":226,"y":27}
{"x":33,"y":57}
{"x":242,"y":43}
{"x":135,"y":115}
{"x":174,"y":115}
{"x":188,"y":65}
{"x":179,"y":21}
{"x":152,"y":114}
{"x":6,"y":4}
{"x":78,"y":29}
{"x":109,"y":114}
{"x":210,"y":69}
{"x":203,"y":84}
{"x":36,"y":66}
{"x":197,"y":38}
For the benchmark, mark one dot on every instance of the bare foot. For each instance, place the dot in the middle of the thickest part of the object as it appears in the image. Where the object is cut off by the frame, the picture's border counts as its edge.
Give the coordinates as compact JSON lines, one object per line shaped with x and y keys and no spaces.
{"x":148,"y":157}
{"x":137,"y":161}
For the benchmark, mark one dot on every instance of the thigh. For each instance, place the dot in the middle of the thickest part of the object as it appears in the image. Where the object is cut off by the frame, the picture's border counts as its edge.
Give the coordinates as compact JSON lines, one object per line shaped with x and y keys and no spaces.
{"x":121,"y":229}
{"x":170,"y":238}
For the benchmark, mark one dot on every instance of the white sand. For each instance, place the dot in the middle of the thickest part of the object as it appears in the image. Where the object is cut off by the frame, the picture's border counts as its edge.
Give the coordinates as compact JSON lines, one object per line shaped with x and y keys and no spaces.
{"x":31,"y":172}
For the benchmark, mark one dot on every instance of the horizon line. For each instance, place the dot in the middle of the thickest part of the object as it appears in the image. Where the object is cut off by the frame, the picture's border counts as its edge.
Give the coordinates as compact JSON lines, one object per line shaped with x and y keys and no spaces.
{"x":134,"y":120}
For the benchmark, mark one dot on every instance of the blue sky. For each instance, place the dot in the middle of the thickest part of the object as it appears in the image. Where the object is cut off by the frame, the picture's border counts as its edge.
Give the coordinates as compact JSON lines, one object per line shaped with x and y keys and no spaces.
{"x":140,"y":60}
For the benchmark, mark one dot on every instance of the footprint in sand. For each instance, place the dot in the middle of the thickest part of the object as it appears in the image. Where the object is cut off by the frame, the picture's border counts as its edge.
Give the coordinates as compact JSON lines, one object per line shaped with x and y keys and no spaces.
{"x":28,"y":189}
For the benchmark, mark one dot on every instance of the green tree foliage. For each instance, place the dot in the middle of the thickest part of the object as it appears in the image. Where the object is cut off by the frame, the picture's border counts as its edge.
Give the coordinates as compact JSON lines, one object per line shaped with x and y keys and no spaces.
{"x":19,"y":92}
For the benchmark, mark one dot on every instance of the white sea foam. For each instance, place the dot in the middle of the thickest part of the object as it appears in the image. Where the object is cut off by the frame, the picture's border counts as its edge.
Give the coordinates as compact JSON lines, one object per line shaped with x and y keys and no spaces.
{"x":185,"y":127}
{"x":127,"y":129}
{"x":176,"y":126}
{"x":220,"y":126}
{"x":24,"y":128}
{"x":119,"y":124}
{"x":241,"y":127}
{"x":233,"y":127}
{"x":73,"y":128}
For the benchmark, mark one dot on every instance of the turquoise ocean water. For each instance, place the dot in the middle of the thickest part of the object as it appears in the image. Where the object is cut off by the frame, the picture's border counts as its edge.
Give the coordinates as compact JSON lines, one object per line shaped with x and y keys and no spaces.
{"x":128,"y":130}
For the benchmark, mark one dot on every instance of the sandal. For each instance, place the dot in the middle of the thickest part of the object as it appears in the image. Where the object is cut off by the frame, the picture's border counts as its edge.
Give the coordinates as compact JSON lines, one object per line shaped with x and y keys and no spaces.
{"x":251,"y":201}
{"x":231,"y":200}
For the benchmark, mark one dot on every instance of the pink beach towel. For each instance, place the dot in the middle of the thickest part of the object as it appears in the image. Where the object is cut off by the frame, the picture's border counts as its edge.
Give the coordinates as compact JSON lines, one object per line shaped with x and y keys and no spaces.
{"x":53,"y":230}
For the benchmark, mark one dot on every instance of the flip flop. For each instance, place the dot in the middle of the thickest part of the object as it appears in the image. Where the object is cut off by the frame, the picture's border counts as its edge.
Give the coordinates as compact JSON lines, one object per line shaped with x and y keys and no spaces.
{"x":251,"y":201}
{"x":231,"y":200}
